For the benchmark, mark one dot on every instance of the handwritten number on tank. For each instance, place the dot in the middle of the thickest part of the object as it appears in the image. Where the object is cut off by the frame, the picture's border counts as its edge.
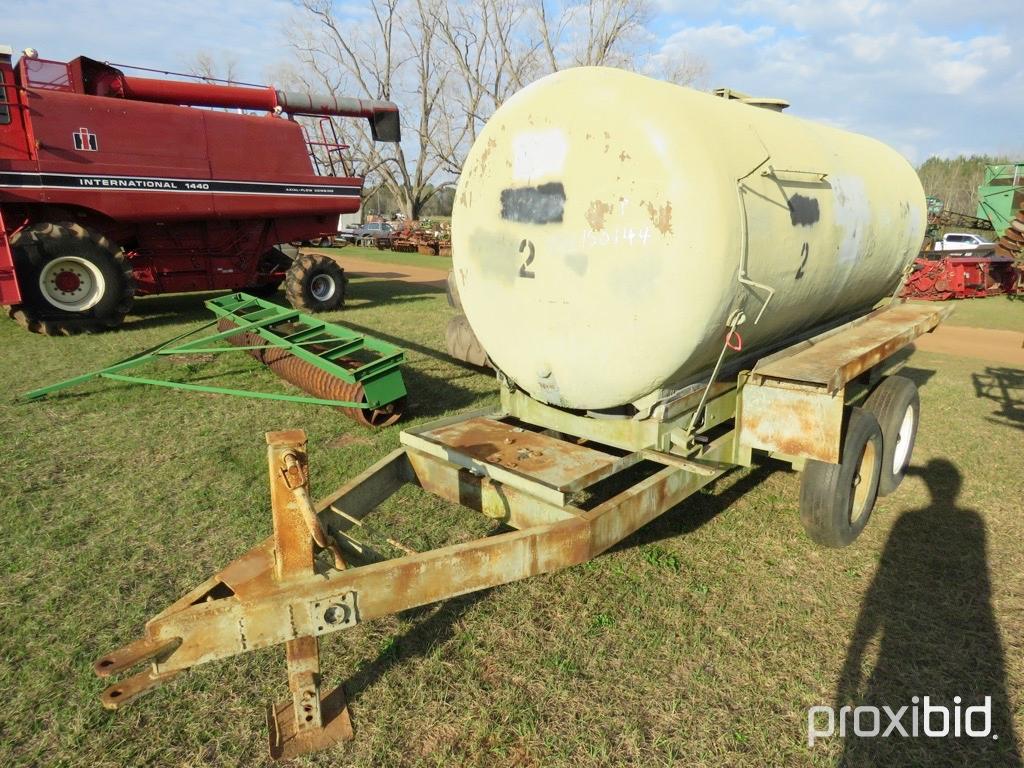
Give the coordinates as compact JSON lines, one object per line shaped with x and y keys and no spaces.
{"x":527,"y":245}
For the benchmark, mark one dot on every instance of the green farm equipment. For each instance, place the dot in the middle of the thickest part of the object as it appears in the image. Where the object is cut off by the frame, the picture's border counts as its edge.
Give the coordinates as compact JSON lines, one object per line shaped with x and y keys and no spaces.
{"x":336,"y":366}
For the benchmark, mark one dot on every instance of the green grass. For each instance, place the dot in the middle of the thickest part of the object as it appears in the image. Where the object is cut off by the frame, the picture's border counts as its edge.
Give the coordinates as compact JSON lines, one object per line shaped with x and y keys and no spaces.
{"x":699,"y":641}
{"x":1000,"y":312}
{"x":390,"y":257}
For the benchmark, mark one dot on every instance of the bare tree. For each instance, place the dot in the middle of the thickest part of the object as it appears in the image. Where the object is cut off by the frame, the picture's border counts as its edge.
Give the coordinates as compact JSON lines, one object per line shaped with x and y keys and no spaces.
{"x":491,"y":61}
{"x":207,"y":66}
{"x":395,"y":57}
{"x":449,"y":65}
{"x":591,"y":34}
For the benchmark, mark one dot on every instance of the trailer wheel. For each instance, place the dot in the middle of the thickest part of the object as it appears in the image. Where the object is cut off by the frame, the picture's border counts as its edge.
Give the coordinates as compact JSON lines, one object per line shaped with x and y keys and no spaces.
{"x":72,"y":280}
{"x":463,"y":344}
{"x":836,"y":499}
{"x":897,"y":407}
{"x":454,"y":300}
{"x":315,"y":283}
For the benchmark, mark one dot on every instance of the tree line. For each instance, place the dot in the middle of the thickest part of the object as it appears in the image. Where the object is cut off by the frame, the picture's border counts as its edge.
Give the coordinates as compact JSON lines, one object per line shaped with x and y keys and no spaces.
{"x":955,"y":180}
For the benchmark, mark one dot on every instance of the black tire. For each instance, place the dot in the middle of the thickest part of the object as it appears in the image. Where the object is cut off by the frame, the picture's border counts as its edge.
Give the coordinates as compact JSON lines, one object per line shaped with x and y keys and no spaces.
{"x":315,"y":283}
{"x":454,"y":300}
{"x":39,"y":250}
{"x":836,"y":500}
{"x":463,"y":344}
{"x":897,"y":408}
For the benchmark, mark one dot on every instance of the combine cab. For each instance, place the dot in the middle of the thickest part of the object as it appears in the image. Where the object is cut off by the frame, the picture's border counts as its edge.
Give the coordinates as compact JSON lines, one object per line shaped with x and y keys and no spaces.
{"x":113,"y":187}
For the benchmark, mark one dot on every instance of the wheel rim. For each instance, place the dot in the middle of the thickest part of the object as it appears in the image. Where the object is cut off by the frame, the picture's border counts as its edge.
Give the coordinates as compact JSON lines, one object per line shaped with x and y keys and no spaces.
{"x":901,"y":451}
{"x":862,"y":484}
{"x":322,"y":287}
{"x":72,"y":284}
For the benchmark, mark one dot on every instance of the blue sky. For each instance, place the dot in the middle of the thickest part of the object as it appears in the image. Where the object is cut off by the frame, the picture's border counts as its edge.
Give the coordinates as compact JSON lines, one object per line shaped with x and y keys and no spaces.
{"x":918,"y":74}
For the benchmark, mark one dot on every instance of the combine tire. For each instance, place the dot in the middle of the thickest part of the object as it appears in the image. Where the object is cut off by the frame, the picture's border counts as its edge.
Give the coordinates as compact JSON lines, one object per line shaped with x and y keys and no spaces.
{"x":836,"y":499}
{"x":896,"y":406}
{"x":72,"y":280}
{"x":463,"y":344}
{"x":315,"y":283}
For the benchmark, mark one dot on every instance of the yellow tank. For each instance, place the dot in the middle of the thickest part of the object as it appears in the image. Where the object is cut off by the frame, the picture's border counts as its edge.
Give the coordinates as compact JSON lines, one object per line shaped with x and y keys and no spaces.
{"x":607,"y":227}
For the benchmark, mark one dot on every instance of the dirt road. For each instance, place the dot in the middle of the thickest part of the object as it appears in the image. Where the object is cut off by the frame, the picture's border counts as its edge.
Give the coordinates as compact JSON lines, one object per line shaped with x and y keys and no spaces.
{"x":403,"y":272}
{"x":979,"y":343}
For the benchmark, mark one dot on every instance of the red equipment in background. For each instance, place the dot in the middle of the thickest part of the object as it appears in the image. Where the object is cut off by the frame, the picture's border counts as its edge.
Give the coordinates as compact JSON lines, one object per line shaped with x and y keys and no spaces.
{"x":110,"y":188}
{"x":937,"y":276}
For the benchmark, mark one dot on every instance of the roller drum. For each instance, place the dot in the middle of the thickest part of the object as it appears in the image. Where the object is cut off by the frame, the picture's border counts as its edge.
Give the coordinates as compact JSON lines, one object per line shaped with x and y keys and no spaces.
{"x":316,"y":381}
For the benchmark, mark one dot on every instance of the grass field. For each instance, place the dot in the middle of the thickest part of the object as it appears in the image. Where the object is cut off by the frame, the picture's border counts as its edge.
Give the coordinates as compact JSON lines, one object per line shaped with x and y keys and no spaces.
{"x":700,"y":641}
{"x":999,"y":312}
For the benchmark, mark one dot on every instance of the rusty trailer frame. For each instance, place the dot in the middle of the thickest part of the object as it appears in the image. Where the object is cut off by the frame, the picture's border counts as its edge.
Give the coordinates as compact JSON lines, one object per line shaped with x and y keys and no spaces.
{"x":520,"y":466}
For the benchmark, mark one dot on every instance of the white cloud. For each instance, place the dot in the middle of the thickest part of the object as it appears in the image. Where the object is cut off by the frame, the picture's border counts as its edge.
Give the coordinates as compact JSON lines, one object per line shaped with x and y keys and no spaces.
{"x":892,"y":70}
{"x":157,"y":33}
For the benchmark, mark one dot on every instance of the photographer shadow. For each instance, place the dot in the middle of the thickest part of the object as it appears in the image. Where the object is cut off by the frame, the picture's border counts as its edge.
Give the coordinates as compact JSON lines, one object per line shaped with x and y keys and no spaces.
{"x":929,"y":614}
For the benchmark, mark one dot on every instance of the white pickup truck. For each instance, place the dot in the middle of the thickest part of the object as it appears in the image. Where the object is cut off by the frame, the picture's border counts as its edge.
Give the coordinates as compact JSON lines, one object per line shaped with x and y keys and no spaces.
{"x":960,"y":241}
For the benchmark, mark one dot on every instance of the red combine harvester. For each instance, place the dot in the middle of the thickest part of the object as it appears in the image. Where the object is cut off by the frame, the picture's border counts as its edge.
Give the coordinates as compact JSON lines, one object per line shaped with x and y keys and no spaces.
{"x":111,"y":188}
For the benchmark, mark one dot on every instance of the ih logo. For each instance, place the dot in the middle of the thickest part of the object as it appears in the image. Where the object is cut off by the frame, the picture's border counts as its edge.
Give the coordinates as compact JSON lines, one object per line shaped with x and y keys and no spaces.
{"x":85,"y":140}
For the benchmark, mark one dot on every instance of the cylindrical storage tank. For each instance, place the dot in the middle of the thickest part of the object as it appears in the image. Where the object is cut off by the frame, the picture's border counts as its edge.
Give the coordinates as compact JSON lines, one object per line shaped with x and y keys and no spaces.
{"x":607,"y":225}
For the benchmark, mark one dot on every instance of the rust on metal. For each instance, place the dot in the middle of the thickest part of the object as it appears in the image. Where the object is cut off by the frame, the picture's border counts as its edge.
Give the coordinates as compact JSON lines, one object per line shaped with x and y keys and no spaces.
{"x":303,"y":724}
{"x":596,"y":214}
{"x":316,"y":381}
{"x":840,"y":357}
{"x":792,"y":421}
{"x":661,"y":217}
{"x":556,"y":463}
{"x":498,"y":501}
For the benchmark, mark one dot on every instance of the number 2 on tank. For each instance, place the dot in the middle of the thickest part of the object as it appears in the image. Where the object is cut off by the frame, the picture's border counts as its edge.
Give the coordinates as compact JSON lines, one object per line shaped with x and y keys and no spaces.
{"x":527,"y":246}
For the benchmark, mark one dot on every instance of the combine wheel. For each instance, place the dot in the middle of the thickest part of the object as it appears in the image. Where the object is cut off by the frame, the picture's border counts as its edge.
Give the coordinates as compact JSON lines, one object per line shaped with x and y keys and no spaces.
{"x":836,"y":499}
{"x":315,"y":283}
{"x":462,"y":343}
{"x":72,"y":280}
{"x":896,"y":406}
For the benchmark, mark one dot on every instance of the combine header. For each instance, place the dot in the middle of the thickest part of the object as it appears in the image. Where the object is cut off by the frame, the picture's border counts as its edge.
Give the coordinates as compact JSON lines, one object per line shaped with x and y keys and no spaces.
{"x":114,"y":186}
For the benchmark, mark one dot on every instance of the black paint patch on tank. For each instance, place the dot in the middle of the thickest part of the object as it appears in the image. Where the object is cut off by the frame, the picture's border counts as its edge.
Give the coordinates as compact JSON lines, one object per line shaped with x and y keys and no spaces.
{"x":803,"y":211}
{"x":534,"y":205}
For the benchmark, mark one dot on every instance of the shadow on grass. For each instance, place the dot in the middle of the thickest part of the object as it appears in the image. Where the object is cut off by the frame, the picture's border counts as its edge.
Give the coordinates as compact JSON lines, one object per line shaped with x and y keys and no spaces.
{"x":920,"y":376}
{"x":424,"y":350}
{"x":1005,"y":387}
{"x":435,"y":627}
{"x":697,"y":510}
{"x":432,"y":396}
{"x":362,"y":293}
{"x":170,"y":309}
{"x":929,"y":613}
